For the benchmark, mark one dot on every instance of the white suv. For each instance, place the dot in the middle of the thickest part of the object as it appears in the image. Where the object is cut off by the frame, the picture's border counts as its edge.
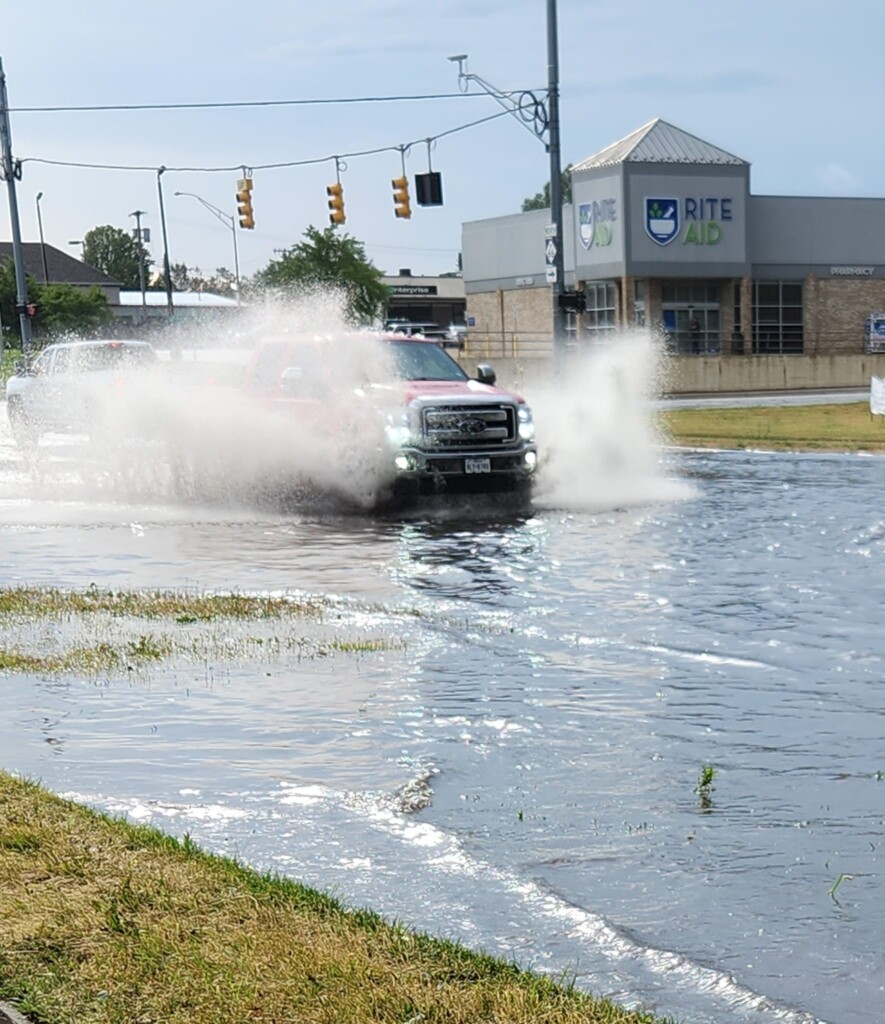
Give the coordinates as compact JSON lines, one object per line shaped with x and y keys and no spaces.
{"x":68,"y":385}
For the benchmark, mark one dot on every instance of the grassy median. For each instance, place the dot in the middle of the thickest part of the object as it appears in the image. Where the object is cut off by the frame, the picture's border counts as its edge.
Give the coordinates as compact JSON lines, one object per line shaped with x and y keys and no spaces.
{"x":839,"y":428}
{"x":104,"y":921}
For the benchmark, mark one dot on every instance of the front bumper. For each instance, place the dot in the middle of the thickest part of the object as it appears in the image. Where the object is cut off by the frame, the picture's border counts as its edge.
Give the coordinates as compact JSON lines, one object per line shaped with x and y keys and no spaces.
{"x":512,"y":467}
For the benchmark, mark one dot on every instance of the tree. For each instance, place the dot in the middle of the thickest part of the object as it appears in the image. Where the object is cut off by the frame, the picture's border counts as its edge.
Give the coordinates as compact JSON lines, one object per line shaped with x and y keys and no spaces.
{"x":64,"y":308}
{"x":8,"y":295}
{"x":116,"y":254}
{"x":331,"y":259}
{"x":192,"y":279}
{"x":541,"y":200}
{"x":60,"y":308}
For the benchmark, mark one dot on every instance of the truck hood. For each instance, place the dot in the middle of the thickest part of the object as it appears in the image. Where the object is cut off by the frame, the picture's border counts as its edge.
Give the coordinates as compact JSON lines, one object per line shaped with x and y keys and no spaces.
{"x":412,"y":389}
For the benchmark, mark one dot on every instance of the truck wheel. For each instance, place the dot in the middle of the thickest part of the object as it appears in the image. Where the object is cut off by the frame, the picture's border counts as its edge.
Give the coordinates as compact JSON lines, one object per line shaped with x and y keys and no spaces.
{"x":24,"y":430}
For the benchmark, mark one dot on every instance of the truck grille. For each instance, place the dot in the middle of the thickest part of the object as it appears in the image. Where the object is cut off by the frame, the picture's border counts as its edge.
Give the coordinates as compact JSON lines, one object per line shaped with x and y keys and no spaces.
{"x":466,"y":426}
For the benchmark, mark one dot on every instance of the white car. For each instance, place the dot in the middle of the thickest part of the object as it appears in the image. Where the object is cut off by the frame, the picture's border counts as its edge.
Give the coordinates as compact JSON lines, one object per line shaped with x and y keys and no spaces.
{"x":69,"y":385}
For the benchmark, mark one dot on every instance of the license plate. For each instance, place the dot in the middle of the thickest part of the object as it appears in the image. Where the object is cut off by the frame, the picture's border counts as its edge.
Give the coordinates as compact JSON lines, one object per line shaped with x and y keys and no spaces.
{"x":477,"y":465}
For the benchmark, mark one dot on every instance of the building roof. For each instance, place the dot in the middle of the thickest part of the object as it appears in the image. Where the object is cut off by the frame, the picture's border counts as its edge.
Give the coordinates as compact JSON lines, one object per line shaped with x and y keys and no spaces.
{"x":660,"y":142}
{"x":63,"y":268}
{"x":182,"y":299}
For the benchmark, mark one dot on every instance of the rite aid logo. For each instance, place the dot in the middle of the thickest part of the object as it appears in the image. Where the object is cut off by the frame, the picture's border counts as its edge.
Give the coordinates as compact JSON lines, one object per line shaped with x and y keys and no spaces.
{"x":662,"y":220}
{"x":595,"y":221}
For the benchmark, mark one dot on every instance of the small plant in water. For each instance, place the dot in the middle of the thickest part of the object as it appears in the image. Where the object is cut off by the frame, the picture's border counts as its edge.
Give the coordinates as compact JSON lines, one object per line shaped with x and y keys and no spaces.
{"x":704,"y":788}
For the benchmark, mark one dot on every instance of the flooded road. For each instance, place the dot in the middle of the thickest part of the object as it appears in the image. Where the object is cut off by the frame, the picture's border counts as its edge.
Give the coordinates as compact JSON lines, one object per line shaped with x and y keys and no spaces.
{"x":517,"y":769}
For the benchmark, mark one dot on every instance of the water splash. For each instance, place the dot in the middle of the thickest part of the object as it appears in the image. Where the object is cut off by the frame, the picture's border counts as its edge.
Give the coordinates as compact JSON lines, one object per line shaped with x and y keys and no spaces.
{"x":601,"y":447}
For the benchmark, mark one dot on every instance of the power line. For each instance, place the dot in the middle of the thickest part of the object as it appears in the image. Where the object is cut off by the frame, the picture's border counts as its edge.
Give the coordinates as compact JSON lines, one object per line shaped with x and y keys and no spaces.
{"x":273,"y":166}
{"x":233,"y":104}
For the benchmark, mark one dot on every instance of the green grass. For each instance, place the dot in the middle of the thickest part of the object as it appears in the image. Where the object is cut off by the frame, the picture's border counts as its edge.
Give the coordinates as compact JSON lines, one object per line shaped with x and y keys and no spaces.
{"x":107,"y":922}
{"x":118,"y":630}
{"x":847,"y":427}
{"x":7,"y":365}
{"x":183,"y":607}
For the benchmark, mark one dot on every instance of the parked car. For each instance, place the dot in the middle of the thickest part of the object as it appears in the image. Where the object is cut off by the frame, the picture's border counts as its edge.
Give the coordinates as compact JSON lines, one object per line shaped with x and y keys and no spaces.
{"x":69,"y":386}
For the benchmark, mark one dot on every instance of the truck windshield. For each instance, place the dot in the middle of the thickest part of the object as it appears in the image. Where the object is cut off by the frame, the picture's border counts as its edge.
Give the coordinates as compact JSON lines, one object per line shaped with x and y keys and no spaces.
{"x":423,"y":360}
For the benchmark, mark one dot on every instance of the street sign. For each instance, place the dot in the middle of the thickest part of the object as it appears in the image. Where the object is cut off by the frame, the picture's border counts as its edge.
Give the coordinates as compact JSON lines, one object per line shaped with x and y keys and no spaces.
{"x":551,"y":275}
{"x":551,"y":251}
{"x":550,"y":231}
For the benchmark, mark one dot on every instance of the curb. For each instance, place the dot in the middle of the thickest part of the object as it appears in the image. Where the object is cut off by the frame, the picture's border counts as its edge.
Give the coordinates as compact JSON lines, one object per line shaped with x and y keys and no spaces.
{"x":8,"y":1015}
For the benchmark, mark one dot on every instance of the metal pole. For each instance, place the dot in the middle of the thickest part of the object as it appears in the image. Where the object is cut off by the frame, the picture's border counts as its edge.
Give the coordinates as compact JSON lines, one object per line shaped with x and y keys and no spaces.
{"x":10,"y":171}
{"x":558,"y":262}
{"x":42,"y":242}
{"x":233,"y":227}
{"x":167,"y":271}
{"x":231,"y":222}
{"x":138,"y":214}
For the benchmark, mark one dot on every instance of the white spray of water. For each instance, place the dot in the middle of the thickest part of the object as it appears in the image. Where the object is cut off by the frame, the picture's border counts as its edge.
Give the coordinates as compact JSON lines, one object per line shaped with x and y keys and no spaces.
{"x":191,"y":431}
{"x":600,"y":447}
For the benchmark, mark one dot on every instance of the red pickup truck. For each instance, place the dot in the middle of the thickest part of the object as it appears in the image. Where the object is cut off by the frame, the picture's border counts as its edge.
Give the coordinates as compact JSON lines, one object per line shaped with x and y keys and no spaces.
{"x":429,"y":425}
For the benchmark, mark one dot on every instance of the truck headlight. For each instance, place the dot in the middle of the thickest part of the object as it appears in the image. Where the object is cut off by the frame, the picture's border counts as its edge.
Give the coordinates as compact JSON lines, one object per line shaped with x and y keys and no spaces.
{"x":526,"y":423}
{"x":398,"y":430}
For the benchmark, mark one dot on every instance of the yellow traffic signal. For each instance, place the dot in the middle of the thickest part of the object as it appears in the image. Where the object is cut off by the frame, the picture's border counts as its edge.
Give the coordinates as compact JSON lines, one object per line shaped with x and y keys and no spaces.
{"x":401,"y":205}
{"x":336,"y":203}
{"x":244,"y":203}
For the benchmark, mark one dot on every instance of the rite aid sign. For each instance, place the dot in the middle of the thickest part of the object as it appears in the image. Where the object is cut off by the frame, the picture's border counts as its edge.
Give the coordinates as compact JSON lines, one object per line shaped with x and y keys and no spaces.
{"x":693,"y":220}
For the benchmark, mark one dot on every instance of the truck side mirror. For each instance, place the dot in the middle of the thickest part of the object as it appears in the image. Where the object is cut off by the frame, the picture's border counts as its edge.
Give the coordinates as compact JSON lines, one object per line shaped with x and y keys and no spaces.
{"x":485,"y":374}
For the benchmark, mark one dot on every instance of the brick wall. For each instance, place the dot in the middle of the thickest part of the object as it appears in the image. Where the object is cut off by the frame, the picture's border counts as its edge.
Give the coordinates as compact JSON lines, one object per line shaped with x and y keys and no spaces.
{"x":835,"y":310}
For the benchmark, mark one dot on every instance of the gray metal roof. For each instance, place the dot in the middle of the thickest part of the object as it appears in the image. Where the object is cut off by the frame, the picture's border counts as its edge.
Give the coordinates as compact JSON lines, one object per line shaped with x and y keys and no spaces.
{"x":660,"y":142}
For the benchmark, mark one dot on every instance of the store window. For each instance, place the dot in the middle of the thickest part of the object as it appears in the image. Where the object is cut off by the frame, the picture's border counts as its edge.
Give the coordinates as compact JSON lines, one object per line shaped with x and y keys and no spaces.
{"x":639,"y":303}
{"x":690,"y":316}
{"x":602,"y":298}
{"x":778,"y":318}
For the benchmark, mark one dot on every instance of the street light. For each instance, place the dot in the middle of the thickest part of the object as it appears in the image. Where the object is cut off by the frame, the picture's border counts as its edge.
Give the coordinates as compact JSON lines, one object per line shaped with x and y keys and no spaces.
{"x":42,"y":243}
{"x":82,"y":244}
{"x":230,"y":220}
{"x":139,"y":238}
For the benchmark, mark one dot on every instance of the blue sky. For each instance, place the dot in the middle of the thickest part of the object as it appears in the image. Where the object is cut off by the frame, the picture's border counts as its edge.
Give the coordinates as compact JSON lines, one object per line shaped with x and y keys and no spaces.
{"x":793,"y":87}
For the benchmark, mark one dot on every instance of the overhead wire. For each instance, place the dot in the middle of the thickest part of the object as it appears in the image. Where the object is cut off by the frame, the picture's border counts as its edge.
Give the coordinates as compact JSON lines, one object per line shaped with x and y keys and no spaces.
{"x":233,"y":104}
{"x":270,"y":166}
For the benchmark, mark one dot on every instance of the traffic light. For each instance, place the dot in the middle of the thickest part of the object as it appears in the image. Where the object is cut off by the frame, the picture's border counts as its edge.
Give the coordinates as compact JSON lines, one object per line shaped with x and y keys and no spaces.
{"x":336,"y":203}
{"x":244,"y":203}
{"x":401,"y":205}
{"x":428,"y":189}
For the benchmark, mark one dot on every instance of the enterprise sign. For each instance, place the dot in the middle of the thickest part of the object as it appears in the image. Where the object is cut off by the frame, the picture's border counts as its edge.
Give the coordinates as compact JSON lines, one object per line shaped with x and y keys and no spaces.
{"x":852,"y":271}
{"x":413,"y":289}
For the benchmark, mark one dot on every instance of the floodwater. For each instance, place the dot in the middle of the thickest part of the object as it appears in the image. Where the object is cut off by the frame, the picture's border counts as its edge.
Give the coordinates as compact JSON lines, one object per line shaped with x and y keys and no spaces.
{"x":518,"y":768}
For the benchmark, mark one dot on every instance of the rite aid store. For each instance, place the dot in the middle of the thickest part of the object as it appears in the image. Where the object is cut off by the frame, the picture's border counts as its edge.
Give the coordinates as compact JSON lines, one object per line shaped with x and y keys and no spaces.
{"x":663,"y":232}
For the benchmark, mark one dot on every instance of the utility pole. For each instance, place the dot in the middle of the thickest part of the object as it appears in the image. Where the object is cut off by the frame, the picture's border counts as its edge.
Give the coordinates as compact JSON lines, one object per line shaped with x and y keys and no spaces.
{"x":557,"y":265}
{"x":10,"y":171}
{"x":167,"y":270}
{"x":540,"y":117}
{"x":138,"y":214}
